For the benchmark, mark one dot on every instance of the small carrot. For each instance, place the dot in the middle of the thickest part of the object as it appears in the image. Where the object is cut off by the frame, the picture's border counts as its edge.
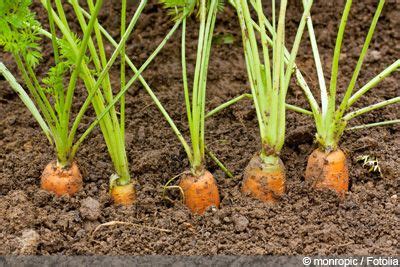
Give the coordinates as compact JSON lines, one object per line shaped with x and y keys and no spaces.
{"x":61,"y":180}
{"x":199,"y":186}
{"x":200,"y":192}
{"x":123,"y":194}
{"x":328,"y":170}
{"x":327,"y":167}
{"x":263,"y":181}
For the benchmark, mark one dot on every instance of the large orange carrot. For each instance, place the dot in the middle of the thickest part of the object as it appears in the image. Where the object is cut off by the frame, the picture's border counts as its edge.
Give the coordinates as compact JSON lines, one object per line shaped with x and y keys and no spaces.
{"x":328,"y":170}
{"x":61,"y":181}
{"x":200,"y":192}
{"x":264,"y":182}
{"x":123,"y":194}
{"x":269,"y":76}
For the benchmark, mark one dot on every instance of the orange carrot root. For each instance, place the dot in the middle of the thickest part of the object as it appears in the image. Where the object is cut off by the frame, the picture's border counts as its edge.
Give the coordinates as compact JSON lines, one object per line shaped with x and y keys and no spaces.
{"x":200,"y":192}
{"x":61,"y":181}
{"x":124,"y":194}
{"x":265,"y":183}
{"x":328,"y":170}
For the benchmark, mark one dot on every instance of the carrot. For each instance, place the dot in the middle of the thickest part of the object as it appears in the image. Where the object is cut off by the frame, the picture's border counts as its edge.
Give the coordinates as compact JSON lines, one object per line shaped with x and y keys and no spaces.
{"x":200,"y":192}
{"x":123,"y":194}
{"x":327,"y":166}
{"x":264,"y":182}
{"x":269,"y":74}
{"x":328,"y":170}
{"x":61,"y":181}
{"x":49,"y":99}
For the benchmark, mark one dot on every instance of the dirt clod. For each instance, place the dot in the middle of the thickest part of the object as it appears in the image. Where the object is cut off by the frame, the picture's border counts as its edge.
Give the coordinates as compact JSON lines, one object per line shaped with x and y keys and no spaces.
{"x":90,"y":209}
{"x":29,"y":242}
{"x":240,"y":222}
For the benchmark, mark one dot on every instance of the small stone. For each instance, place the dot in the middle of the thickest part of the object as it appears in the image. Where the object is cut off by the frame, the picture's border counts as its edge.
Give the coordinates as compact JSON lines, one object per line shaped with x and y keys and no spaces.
{"x":90,"y":209}
{"x":29,"y":242}
{"x":375,"y":55}
{"x":240,"y":222}
{"x":393,"y":198}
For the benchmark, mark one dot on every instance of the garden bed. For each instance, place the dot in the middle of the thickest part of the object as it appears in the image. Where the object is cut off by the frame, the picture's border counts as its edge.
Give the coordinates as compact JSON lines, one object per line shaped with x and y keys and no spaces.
{"x":303,"y":222}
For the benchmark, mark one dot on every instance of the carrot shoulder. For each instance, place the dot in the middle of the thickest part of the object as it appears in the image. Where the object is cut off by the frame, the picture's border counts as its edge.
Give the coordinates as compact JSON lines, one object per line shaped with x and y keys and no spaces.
{"x":61,"y":181}
{"x":264,"y":182}
{"x":123,"y":194}
{"x":200,"y":192}
{"x":328,"y":170}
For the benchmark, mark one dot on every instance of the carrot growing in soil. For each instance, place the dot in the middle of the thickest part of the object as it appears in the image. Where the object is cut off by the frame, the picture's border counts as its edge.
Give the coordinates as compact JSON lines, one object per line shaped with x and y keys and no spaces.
{"x":111,"y":120}
{"x":96,"y":78}
{"x":269,"y":77}
{"x":198,"y":185}
{"x":48,"y":100}
{"x":327,"y":167}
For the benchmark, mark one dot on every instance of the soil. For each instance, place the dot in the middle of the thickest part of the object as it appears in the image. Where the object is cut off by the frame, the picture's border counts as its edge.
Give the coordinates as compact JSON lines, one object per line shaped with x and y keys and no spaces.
{"x":303,"y":222}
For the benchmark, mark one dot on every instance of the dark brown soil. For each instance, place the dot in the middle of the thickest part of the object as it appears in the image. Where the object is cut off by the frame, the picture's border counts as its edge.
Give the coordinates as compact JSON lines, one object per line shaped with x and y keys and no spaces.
{"x":304,"y":222}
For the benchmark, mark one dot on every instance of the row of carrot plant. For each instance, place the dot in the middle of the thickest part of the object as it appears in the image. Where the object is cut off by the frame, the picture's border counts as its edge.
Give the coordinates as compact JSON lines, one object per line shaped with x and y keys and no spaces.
{"x":80,"y":57}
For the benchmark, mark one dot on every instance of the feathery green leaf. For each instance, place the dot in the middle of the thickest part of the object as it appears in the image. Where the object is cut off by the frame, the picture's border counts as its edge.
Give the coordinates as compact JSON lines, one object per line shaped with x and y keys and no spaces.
{"x":15,"y":37}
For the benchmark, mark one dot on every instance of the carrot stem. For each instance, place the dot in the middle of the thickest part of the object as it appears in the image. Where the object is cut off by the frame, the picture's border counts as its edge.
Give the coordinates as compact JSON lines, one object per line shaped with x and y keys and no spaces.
{"x":375,"y":124}
{"x":269,"y":82}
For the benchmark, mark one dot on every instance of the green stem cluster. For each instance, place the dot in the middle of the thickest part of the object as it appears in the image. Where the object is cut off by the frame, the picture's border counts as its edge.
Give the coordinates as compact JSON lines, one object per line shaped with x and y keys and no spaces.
{"x":331,"y":120}
{"x":269,"y":76}
{"x":54,"y":119}
{"x":100,"y":92}
{"x":95,"y":77}
{"x":195,"y":106}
